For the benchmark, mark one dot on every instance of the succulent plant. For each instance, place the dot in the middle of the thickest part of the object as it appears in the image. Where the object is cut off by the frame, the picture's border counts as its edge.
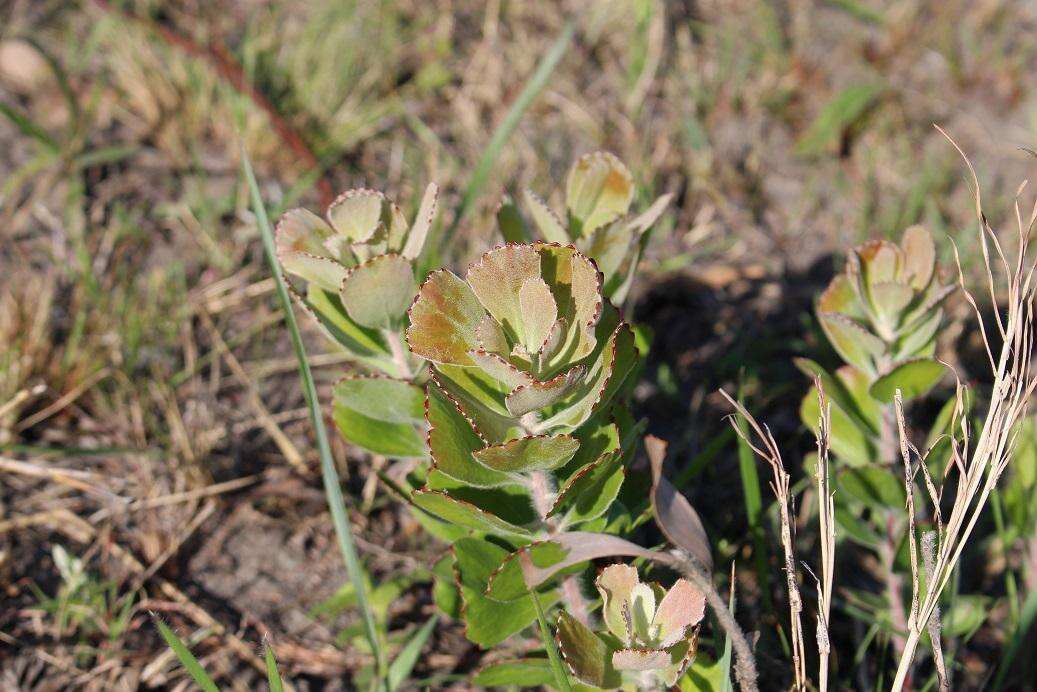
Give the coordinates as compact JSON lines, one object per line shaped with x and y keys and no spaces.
{"x":599,"y":192}
{"x":881,"y":315}
{"x":358,"y":265}
{"x":527,"y":359}
{"x":651,"y":633}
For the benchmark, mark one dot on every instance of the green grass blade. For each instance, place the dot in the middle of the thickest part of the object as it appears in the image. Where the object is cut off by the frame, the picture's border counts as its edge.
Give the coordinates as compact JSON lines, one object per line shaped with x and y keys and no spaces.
{"x":561,"y":677}
{"x":273,"y":678}
{"x":533,"y":86}
{"x":726,"y":658}
{"x":753,"y":507}
{"x":332,"y":487}
{"x":187,"y":659}
{"x":1027,"y":617}
{"x":29,"y":128}
{"x":404,"y":662}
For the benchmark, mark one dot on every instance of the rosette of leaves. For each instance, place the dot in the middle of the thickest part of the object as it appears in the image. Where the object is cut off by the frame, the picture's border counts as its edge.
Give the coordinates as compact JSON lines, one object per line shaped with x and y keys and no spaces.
{"x":358,"y":266}
{"x":526,"y":445}
{"x":650,"y":638}
{"x":599,"y":192}
{"x":882,"y":316}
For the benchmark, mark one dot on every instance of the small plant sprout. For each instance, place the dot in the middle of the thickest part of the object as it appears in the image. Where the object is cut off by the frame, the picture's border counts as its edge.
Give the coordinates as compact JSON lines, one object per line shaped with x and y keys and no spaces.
{"x":358,"y":264}
{"x":651,"y":633}
{"x":599,"y":192}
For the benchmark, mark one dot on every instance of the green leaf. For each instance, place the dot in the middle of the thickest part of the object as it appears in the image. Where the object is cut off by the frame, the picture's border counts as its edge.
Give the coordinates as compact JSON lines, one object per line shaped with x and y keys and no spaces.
{"x":598,"y":190}
{"x":537,"y":453}
{"x":377,"y":293}
{"x":300,"y":239}
{"x":854,"y":343}
{"x":914,"y":378}
{"x":550,"y":226}
{"x":422,"y":223}
{"x":609,"y":246}
{"x":919,"y":256}
{"x":590,"y":491}
{"x":467,"y":515}
{"x":510,"y":223}
{"x":187,"y":659}
{"x":965,"y":615}
{"x":497,"y":278}
{"x":877,"y":487}
{"x":561,"y":679}
{"x":488,"y":622}
{"x":838,"y":393}
{"x":356,"y":214}
{"x":403,"y":664}
{"x":443,"y":319}
{"x":588,"y":657}
{"x":845,"y":110}
{"x":396,"y":440}
{"x":536,"y":396}
{"x":452,"y":443}
{"x":381,"y":398}
{"x":536,"y":563}
{"x":523,"y":672}
{"x":273,"y":678}
{"x":327,"y":308}
{"x":445,"y":591}
{"x":480,"y":400}
{"x":857,"y":529}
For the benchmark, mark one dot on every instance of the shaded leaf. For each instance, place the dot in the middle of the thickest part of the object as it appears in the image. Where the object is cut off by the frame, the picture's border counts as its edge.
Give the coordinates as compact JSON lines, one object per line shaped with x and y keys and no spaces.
{"x":550,"y":226}
{"x":536,"y":395}
{"x":523,"y":672}
{"x":677,"y":519}
{"x":587,"y":656}
{"x":422,"y":223}
{"x":877,"y":487}
{"x":919,"y":256}
{"x":854,"y":343}
{"x":466,"y":514}
{"x":452,"y":443}
{"x":591,"y":490}
{"x":510,"y":222}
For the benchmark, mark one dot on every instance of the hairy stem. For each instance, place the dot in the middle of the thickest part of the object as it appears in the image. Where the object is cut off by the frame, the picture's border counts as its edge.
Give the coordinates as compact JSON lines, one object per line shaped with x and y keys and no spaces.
{"x":745,"y":666}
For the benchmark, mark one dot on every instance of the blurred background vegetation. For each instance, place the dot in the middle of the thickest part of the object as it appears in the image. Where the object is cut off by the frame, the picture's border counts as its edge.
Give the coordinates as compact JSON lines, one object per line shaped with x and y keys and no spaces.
{"x":154,"y":448}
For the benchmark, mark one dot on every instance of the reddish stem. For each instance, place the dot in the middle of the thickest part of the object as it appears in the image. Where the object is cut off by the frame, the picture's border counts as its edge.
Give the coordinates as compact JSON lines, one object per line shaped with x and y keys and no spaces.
{"x":231,"y":71}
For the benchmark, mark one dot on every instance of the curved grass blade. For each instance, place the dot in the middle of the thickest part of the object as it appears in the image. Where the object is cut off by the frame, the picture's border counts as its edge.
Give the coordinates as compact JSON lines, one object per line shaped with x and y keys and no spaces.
{"x":561,"y":678}
{"x":187,"y":659}
{"x":403,"y":664}
{"x":332,"y":487}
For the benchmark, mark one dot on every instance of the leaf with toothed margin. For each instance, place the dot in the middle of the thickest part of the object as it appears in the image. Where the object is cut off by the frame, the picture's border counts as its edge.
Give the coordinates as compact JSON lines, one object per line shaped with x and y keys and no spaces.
{"x":396,"y":440}
{"x":534,"y":564}
{"x":597,"y":437}
{"x":496,"y":279}
{"x":377,"y":293}
{"x":604,"y":377}
{"x":479,"y":399}
{"x":551,"y":228}
{"x":356,"y":214}
{"x":365,"y":345}
{"x":536,"y":396}
{"x":467,"y":515}
{"x":865,"y":415}
{"x":553,"y":341}
{"x":509,"y":221}
{"x":382,"y":398}
{"x":841,"y":297}
{"x":499,"y":369}
{"x":913,"y":377}
{"x":880,"y":261}
{"x":300,"y":249}
{"x":889,"y":299}
{"x":598,"y":190}
{"x":608,"y":247}
{"x":512,"y":503}
{"x":491,"y":337}
{"x":422,"y":223}
{"x":640,"y":660}
{"x":452,"y":443}
{"x":538,"y":313}
{"x":674,"y":515}
{"x":854,"y":343}
{"x":591,"y":490}
{"x":443,"y":319}
{"x":850,"y":442}
{"x":540,"y":453}
{"x":588,"y":657}
{"x":919,"y":339}
{"x":488,"y":622}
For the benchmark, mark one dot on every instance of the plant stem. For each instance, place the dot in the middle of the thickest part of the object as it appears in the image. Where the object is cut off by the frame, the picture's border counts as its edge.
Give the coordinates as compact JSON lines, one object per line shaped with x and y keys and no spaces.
{"x":399,"y":354}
